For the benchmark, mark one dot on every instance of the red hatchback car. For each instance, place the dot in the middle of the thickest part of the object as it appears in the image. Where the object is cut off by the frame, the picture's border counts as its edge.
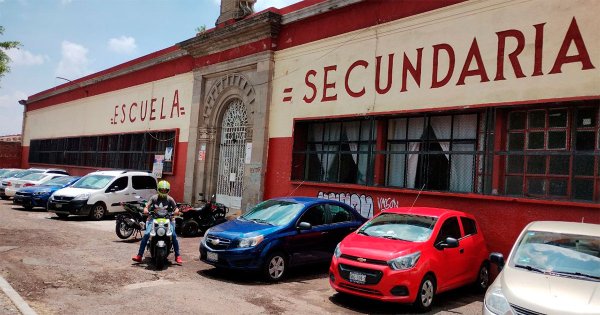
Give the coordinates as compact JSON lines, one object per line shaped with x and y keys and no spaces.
{"x":409,"y":255}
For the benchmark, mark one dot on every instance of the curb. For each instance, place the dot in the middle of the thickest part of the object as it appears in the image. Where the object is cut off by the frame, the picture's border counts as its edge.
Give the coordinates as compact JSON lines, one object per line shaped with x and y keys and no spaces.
{"x":16,"y":298}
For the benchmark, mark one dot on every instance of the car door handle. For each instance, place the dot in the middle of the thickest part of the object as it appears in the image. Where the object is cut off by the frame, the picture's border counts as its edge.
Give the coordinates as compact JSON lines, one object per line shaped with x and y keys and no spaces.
{"x":462,"y":250}
{"x":127,"y":194}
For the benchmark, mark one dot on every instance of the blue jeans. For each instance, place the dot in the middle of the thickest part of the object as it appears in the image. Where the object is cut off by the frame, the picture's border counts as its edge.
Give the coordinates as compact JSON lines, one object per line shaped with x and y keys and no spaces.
{"x":149,"y":227}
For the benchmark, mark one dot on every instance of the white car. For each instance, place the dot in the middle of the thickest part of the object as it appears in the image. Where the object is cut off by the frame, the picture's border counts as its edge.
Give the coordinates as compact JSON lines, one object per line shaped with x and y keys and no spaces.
{"x":7,"y":181}
{"x":553,"y":268}
{"x":29,"y":180}
{"x":100,"y":193}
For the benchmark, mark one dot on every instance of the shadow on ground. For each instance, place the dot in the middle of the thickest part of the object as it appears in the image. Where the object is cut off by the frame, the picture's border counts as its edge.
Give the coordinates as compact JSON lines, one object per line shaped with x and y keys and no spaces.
{"x":294,"y":275}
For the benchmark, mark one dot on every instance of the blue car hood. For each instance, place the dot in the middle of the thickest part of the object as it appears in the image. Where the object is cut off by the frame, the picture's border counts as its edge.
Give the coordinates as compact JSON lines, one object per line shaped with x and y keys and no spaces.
{"x":241,"y":228}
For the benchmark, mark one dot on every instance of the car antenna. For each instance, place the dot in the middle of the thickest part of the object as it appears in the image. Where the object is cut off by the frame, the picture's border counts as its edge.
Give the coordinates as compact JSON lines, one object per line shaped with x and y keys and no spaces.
{"x":295,"y":189}
{"x":419,"y":194}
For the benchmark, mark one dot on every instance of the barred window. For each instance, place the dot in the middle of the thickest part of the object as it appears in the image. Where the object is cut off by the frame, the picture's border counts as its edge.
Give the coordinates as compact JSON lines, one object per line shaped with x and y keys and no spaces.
{"x":134,"y":151}
{"x":553,"y":152}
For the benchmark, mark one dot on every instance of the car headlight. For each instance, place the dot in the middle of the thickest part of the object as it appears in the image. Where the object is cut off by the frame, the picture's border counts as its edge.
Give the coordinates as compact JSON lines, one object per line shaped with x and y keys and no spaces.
{"x":82,"y":197}
{"x":41,"y":193}
{"x":496,"y":303}
{"x":251,"y":241}
{"x":337,"y":252}
{"x":405,"y":262}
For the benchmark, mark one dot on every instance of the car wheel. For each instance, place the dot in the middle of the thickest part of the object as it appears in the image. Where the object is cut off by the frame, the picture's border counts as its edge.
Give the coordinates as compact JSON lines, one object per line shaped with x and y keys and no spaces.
{"x":62,"y":215}
{"x":426,"y":294}
{"x":97,"y":212}
{"x":275,"y":267}
{"x":483,"y":277}
{"x":190,"y":228}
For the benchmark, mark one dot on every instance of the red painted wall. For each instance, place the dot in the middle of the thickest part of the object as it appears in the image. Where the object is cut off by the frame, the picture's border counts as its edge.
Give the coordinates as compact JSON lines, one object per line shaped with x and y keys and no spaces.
{"x":501,"y":218}
{"x":176,"y":180}
{"x":10,"y":154}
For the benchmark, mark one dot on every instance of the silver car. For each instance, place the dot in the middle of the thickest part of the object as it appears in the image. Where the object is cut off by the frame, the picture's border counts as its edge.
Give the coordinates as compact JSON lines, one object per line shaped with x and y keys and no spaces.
{"x":553,"y":268}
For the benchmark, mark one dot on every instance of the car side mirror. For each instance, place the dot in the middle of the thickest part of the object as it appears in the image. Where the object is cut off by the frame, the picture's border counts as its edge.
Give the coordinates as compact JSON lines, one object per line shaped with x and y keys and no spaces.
{"x":450,"y":242}
{"x":304,"y":226}
{"x":498,"y":259}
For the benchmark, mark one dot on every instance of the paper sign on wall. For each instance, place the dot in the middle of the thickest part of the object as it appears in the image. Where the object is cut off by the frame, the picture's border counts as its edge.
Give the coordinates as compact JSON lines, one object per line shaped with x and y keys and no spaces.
{"x":248,"y":153}
{"x":202,"y":153}
{"x":157,"y":166}
{"x":168,"y":154}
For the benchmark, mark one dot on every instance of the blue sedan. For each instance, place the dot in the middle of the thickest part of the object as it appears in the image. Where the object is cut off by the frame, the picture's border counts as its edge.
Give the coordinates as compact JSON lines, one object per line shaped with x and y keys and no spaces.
{"x":37,"y":196}
{"x":280,"y":233}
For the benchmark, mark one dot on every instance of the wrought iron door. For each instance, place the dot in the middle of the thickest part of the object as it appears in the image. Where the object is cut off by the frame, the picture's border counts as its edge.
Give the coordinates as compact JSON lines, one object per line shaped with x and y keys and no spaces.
{"x":232,"y":154}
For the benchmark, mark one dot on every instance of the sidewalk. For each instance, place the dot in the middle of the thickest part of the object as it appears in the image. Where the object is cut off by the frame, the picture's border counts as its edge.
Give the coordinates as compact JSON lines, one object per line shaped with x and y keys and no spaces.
{"x":11,"y":302}
{"x":6,"y":305}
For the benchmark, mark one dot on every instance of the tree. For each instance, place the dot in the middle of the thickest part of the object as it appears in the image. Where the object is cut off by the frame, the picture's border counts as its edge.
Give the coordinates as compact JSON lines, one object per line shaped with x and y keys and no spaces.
{"x":201,"y":29}
{"x":4,"y":59}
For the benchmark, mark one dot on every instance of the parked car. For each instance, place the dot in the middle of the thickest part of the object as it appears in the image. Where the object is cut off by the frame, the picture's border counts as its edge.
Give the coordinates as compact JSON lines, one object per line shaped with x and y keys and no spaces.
{"x":29,"y":181}
{"x":7,"y":181}
{"x":37,"y":196}
{"x":409,"y":255}
{"x":553,"y":268}
{"x":100,"y":193}
{"x":280,"y":233}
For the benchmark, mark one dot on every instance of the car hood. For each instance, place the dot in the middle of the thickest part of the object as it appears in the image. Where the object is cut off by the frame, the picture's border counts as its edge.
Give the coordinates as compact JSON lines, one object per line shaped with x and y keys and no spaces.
{"x":372,"y":247}
{"x":35,"y":189}
{"x":241,"y":228}
{"x":73,"y":192}
{"x":550,"y":294}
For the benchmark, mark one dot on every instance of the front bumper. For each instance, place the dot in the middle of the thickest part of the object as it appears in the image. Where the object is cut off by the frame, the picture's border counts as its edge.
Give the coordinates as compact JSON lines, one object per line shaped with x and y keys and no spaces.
{"x":30,"y":200}
{"x":74,"y":207}
{"x":382,"y":283}
{"x":236,"y":258}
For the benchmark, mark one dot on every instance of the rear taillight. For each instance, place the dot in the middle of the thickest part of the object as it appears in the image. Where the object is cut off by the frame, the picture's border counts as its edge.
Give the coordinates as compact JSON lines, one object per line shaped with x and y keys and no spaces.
{"x":8,"y":184}
{"x":213,"y":207}
{"x":28,"y":184}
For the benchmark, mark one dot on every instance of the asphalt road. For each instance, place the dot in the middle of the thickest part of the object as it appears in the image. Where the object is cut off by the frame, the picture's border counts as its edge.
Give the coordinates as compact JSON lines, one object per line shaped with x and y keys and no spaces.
{"x":76,"y":266}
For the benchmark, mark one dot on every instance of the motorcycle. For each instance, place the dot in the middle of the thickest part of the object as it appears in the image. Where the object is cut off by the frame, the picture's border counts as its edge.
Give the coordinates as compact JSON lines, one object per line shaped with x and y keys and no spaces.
{"x":196,"y":220}
{"x":132,"y":221}
{"x":160,"y":242}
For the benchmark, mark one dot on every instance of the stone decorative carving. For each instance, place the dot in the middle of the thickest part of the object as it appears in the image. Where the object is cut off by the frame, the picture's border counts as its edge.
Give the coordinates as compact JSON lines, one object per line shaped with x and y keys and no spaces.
{"x":207,"y":134}
{"x":237,"y":85}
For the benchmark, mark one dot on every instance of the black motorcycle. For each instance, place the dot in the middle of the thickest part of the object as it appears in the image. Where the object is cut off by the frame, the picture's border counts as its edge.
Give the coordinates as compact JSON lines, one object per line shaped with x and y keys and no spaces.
{"x":196,"y":220}
{"x":132,"y":221}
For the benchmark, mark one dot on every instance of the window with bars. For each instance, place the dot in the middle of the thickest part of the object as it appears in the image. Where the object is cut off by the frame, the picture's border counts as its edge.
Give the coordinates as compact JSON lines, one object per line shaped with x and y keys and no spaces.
{"x":553,"y":152}
{"x":133,"y":151}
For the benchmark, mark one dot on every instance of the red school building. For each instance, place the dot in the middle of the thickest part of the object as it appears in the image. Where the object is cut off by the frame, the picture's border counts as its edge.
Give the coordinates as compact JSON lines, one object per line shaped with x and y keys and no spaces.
{"x":486,"y":106}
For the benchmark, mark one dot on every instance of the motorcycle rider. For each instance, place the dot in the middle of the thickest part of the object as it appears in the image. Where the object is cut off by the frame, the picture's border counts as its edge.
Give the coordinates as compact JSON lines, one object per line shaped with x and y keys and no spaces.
{"x":162,"y":199}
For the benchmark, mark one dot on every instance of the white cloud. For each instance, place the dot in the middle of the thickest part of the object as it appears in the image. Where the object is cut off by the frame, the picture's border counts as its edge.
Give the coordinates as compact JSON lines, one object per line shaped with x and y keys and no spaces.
{"x":122,"y":45}
{"x":74,"y":62}
{"x":263,"y":4}
{"x":22,"y":57}
{"x":12,"y":100}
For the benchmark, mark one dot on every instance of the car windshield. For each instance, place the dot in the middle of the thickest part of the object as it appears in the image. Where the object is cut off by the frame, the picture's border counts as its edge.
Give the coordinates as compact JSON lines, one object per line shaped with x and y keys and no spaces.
{"x":34,"y":176}
{"x":407,"y":227}
{"x":273,"y":212}
{"x":93,"y":182}
{"x":9,"y":174}
{"x":559,"y":254}
{"x":59,"y":181}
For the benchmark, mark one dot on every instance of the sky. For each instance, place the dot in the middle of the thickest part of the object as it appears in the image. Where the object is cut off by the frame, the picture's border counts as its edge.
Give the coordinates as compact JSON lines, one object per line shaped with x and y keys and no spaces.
{"x":74,"y":38}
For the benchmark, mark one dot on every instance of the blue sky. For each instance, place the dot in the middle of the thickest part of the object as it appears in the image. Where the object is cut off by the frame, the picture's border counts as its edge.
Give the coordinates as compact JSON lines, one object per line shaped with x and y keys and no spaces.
{"x":74,"y":38}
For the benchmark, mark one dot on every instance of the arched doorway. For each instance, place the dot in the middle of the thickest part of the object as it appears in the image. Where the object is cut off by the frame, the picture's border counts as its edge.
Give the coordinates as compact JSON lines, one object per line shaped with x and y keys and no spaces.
{"x":232,"y":153}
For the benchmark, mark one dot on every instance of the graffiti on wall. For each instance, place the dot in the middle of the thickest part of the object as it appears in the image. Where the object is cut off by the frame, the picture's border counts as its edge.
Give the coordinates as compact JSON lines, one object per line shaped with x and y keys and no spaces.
{"x":362,"y":203}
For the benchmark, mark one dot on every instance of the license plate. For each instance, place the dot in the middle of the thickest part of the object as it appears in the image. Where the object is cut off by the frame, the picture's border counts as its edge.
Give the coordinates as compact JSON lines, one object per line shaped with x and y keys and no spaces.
{"x":357,"y":277}
{"x":58,"y":206}
{"x":17,"y":185}
{"x":212,"y":256}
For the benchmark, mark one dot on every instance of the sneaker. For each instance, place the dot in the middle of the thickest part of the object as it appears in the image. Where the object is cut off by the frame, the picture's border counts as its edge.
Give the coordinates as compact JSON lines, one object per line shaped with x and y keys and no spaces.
{"x":178,"y":260}
{"x":137,"y":258}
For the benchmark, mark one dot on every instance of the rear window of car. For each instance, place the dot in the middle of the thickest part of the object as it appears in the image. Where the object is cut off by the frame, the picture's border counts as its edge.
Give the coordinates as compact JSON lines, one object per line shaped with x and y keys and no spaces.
{"x":469,"y":226}
{"x":143,"y":182}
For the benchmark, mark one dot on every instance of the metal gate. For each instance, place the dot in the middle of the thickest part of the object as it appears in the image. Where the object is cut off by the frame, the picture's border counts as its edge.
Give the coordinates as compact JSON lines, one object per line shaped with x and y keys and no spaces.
{"x":232,"y":153}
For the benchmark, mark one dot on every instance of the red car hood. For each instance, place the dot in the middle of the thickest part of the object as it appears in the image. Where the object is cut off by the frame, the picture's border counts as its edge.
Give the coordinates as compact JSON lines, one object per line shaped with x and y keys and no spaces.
{"x":371,"y":247}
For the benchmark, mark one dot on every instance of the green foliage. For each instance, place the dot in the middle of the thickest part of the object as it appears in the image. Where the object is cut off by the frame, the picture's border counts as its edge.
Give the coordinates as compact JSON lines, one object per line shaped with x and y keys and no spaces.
{"x":201,"y":29}
{"x":4,"y":59}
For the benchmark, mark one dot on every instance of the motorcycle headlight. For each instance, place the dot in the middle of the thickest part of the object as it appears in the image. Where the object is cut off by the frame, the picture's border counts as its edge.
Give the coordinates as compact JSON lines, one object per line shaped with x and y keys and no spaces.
{"x":337,"y":252}
{"x":405,"y":262}
{"x":82,"y":197}
{"x":496,"y":303}
{"x":161,"y":231}
{"x":251,"y":241}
